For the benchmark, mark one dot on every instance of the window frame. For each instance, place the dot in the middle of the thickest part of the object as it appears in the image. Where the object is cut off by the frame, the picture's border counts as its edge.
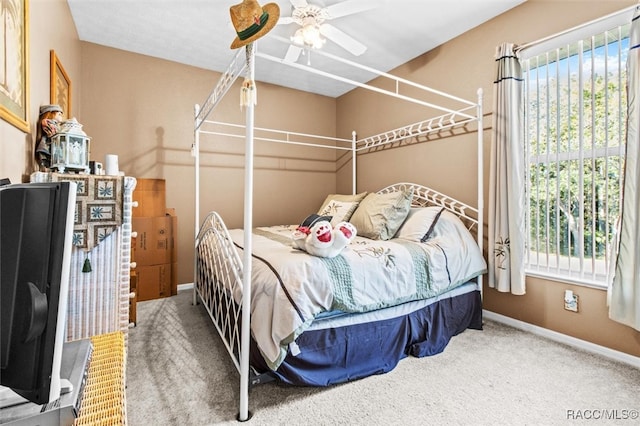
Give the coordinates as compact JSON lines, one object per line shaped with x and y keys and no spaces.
{"x":529,"y":52}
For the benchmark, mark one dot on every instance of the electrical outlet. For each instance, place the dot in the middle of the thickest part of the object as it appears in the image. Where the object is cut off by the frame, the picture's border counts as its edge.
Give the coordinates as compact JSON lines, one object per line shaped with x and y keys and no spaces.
{"x":570,"y":301}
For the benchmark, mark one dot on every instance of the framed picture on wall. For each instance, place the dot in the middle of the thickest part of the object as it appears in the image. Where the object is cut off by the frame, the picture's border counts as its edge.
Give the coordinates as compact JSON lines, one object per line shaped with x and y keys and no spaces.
{"x":60,"y":86}
{"x":14,"y":63}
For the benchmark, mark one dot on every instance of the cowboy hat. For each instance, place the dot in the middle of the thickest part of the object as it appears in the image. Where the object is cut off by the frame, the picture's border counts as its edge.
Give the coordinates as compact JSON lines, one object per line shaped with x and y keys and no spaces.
{"x":252,"y":21}
{"x":50,"y":108}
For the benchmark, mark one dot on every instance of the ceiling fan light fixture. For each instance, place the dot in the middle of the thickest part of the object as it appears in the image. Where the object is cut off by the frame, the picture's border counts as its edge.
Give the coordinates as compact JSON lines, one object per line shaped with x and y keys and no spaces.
{"x":308,"y":36}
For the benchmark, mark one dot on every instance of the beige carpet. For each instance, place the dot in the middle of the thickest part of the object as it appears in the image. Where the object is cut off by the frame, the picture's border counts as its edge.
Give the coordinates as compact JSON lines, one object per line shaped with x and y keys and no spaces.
{"x":179,"y":373}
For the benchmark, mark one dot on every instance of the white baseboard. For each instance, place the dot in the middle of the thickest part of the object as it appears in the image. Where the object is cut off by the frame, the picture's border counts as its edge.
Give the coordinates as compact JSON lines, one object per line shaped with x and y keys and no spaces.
{"x":625,"y":358}
{"x":540,"y":331}
{"x":185,"y":286}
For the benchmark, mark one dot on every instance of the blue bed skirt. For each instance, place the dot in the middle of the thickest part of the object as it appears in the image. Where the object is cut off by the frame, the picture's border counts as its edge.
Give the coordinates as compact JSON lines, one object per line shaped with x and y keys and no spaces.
{"x":337,"y":355}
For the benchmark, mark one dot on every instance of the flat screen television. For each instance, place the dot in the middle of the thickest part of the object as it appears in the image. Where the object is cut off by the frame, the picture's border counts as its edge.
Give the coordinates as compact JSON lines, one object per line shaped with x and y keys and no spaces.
{"x":36,"y":230}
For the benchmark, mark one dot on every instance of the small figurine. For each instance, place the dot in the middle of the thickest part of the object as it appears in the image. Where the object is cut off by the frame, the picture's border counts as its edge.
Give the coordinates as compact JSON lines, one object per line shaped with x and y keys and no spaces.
{"x":48,"y":125}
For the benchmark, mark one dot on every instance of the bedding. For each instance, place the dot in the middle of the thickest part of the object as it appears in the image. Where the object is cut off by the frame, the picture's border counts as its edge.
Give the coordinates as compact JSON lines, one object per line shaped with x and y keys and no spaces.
{"x":340,"y":206}
{"x":341,"y":347}
{"x":291,"y":288}
{"x":379,"y":216}
{"x":419,"y":224}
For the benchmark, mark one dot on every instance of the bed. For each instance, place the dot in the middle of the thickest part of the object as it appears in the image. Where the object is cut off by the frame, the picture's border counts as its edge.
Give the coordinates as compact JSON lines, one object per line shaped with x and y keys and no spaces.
{"x":404,"y":286}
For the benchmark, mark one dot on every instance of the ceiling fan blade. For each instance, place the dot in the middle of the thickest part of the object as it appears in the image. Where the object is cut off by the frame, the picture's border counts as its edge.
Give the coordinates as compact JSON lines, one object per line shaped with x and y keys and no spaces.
{"x":340,"y":38}
{"x":293,"y":53}
{"x":299,"y":3}
{"x":285,"y":20}
{"x":349,"y":7}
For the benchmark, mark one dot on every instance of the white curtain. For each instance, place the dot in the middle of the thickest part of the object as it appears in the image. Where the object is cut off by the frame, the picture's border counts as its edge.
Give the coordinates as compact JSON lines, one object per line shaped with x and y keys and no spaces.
{"x":624,"y":297}
{"x":507,"y":179}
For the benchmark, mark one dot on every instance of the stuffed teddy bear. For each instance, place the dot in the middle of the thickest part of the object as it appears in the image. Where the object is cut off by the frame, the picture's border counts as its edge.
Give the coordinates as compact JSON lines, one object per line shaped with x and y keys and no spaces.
{"x":321,"y":239}
{"x":300,"y":234}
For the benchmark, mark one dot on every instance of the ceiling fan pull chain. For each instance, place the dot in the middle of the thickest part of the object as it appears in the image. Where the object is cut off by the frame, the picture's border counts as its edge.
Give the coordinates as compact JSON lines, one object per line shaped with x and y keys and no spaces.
{"x":248,"y":92}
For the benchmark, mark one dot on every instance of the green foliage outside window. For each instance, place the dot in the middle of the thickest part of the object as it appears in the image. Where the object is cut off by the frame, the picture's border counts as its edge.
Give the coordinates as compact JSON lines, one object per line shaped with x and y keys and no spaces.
{"x":576,"y":135}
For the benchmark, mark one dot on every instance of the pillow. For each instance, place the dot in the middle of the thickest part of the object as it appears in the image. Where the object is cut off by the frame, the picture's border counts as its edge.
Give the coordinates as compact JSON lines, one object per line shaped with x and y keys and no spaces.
{"x":419,"y":223}
{"x":449,"y":224}
{"x":341,"y":207}
{"x":449,"y":230}
{"x":380,"y":215}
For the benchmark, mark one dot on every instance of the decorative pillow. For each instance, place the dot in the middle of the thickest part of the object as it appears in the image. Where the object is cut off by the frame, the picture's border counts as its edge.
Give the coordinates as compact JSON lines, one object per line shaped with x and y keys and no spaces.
{"x":419,"y":223}
{"x":448,"y":224}
{"x":380,"y":215}
{"x":340,"y":206}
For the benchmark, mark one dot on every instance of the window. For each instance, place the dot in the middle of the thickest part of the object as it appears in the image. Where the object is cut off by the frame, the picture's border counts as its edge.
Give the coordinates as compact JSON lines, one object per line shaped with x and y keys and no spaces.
{"x":575,"y":115}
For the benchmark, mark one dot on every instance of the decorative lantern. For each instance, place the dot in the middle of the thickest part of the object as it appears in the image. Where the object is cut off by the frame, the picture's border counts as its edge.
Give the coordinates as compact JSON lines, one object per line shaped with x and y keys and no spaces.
{"x":70,"y":148}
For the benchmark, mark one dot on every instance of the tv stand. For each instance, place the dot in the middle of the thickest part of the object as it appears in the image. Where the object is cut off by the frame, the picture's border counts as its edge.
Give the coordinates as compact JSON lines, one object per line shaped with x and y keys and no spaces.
{"x":16,"y":410}
{"x":9,"y":398}
{"x":65,"y":386}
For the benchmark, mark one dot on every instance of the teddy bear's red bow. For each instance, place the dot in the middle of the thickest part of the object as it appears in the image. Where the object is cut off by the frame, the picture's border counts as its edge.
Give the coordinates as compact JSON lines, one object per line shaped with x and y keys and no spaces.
{"x":304,"y":229}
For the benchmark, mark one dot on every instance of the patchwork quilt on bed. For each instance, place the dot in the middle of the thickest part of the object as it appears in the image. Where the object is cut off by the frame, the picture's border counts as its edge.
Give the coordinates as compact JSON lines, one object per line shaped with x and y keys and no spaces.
{"x":290,"y":287}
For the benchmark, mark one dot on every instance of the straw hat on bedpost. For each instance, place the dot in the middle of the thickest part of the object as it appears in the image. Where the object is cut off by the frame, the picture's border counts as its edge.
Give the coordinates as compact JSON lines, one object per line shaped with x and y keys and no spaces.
{"x":251,"y":21}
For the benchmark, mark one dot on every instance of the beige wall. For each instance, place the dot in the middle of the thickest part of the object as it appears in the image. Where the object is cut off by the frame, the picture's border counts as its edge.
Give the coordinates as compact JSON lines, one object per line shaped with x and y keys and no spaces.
{"x":51,"y":27}
{"x":461,"y":66}
{"x":142,"y":109}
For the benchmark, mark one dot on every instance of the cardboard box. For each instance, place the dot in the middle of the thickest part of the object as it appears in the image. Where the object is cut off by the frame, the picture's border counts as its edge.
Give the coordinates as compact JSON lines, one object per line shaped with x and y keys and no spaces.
{"x":154,"y":282}
{"x":151,"y":197}
{"x":154,"y":243}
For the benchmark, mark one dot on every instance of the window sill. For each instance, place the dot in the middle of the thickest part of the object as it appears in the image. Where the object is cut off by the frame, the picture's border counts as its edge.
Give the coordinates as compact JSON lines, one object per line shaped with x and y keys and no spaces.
{"x":584,"y":282}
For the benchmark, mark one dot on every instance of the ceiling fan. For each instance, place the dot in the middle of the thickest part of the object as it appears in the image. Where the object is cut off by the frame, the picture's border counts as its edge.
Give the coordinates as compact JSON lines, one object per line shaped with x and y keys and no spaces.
{"x":313,"y":26}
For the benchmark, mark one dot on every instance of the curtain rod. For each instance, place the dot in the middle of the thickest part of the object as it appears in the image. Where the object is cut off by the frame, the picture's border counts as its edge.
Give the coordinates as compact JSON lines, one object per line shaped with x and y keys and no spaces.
{"x":561,"y":33}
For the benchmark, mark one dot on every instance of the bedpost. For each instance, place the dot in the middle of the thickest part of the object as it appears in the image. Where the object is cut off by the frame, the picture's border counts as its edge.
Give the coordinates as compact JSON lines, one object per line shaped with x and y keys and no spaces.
{"x":195,"y":152}
{"x":480,"y":181}
{"x":353,"y":162}
{"x":244,"y":414}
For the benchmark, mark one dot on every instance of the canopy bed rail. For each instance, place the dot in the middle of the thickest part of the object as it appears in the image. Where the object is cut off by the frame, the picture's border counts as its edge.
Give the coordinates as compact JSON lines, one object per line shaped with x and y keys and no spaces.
{"x":237,"y":66}
{"x":415,"y":130}
{"x":398,"y":82}
{"x":223,"y":277}
{"x":424,"y":197}
{"x":264,"y":134}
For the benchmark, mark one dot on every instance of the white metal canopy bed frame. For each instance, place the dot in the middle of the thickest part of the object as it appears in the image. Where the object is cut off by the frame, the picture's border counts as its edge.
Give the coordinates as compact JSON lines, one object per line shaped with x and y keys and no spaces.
{"x":232,"y":269}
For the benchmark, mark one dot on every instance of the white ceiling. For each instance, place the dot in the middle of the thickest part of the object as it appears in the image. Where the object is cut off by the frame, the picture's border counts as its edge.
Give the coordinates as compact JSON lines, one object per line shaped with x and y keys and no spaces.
{"x":199,"y":33}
